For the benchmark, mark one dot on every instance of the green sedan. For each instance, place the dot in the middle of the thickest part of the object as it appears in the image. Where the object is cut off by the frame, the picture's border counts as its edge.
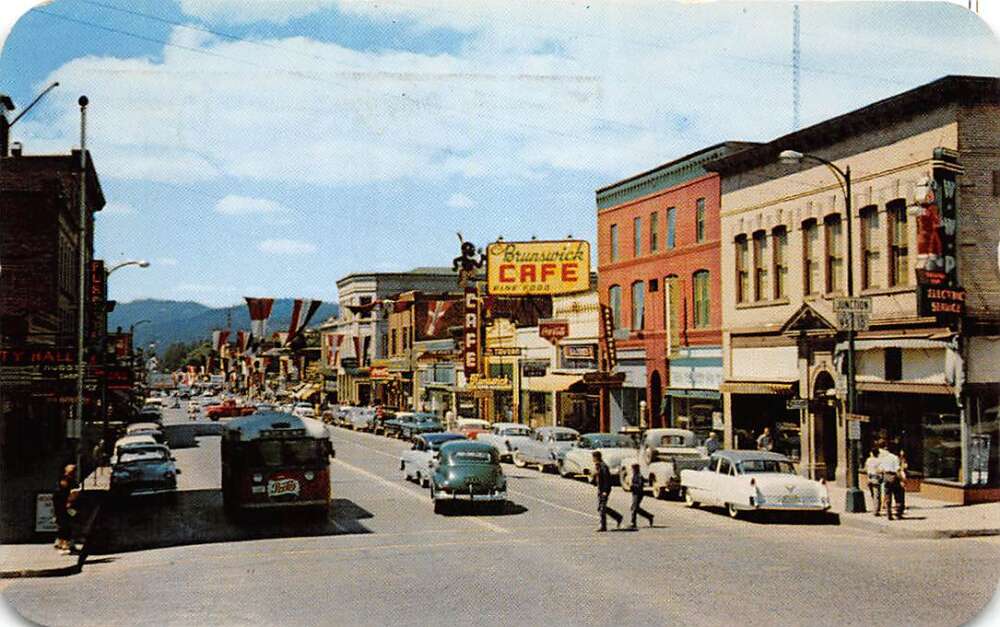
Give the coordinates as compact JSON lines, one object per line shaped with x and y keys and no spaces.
{"x":468,"y":471}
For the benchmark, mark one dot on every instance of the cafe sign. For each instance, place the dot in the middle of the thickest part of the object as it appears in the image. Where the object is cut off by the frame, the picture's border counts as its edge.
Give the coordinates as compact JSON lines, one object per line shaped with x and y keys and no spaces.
{"x":538,"y":267}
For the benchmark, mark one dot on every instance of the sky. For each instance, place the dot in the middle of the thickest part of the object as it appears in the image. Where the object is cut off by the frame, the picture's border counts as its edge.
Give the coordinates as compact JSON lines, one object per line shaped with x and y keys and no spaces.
{"x":269,"y":148}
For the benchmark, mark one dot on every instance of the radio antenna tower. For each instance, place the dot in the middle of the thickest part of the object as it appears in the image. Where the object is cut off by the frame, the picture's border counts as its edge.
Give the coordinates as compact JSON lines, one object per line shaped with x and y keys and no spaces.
{"x":796,"y":70}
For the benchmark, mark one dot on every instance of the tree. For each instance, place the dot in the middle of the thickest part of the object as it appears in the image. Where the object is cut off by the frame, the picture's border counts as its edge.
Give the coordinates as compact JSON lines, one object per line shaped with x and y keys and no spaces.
{"x":174,"y":356}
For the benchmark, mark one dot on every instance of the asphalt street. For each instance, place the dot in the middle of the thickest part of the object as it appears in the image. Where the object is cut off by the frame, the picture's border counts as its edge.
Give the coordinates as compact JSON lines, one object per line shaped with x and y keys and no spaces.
{"x":384,"y":557}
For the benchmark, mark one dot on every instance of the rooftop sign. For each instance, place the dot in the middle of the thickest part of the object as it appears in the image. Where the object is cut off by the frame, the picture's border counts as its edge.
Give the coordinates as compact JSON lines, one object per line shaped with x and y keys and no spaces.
{"x":538,"y":268}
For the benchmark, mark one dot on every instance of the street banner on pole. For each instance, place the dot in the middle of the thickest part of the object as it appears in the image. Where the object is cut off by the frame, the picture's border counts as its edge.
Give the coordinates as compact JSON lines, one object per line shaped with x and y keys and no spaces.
{"x":537,"y":267}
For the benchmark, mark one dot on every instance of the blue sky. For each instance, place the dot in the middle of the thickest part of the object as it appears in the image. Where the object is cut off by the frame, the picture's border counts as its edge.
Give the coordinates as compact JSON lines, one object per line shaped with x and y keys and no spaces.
{"x":270,"y":148}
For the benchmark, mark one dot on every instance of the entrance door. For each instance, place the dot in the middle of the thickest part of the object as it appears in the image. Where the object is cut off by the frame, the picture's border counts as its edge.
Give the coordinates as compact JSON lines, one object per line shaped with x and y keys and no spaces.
{"x":825,"y":421}
{"x":654,"y":400}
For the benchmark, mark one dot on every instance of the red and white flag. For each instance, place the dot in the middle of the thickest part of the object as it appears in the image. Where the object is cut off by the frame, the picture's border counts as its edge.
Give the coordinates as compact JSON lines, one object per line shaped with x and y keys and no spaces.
{"x":302,"y":312}
{"x":436,"y":312}
{"x":260,"y":311}
{"x":241,"y":341}
{"x":219,"y":338}
{"x":332,"y":341}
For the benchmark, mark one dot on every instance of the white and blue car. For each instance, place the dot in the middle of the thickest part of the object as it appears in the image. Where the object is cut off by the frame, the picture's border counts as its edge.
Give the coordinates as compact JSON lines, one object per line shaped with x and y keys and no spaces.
{"x":507,"y":438}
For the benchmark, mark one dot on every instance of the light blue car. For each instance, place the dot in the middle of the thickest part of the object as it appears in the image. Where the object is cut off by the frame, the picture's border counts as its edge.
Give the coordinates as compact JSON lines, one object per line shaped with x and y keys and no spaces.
{"x":546,"y":447}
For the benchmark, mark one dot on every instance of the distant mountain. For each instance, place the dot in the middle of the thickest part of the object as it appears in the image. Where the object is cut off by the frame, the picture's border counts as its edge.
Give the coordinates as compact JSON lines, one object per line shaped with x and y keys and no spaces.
{"x":173,"y":321}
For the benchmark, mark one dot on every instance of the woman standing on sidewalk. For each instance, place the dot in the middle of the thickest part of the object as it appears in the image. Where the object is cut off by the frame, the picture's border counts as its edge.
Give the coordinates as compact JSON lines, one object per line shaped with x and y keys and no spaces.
{"x":62,"y":502}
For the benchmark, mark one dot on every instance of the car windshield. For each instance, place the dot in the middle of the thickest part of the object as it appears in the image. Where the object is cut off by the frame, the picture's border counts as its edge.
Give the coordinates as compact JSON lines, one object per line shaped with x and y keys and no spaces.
{"x":750,"y":466}
{"x":673,"y":440}
{"x":436,"y":444}
{"x":609,"y":441}
{"x":276,"y":453}
{"x":143,"y":455}
{"x":517,"y":431}
{"x":564,"y":436}
{"x":457,"y":458}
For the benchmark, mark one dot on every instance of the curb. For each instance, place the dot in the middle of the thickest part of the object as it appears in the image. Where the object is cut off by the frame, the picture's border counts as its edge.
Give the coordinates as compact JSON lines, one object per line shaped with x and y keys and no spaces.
{"x":849,"y":520}
{"x":62,"y":571}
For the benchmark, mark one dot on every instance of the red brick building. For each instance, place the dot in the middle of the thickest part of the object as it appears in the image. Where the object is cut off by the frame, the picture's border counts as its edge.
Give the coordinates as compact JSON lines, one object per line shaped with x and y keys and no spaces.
{"x":39,"y":295}
{"x":658,"y":267}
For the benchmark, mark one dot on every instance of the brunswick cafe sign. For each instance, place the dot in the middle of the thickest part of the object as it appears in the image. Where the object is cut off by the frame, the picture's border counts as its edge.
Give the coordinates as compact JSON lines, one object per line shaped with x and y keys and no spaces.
{"x":478,"y":382}
{"x":538,"y":267}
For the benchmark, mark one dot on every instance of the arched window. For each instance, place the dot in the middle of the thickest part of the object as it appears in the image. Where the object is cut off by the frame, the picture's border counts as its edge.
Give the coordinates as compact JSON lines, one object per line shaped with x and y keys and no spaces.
{"x":699,"y":283}
{"x":638,"y":305}
{"x":615,"y":302}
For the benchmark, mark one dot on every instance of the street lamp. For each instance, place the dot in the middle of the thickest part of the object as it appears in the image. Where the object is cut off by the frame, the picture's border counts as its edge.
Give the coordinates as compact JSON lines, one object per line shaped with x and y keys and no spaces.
{"x":142,"y":263}
{"x":855,"y":498}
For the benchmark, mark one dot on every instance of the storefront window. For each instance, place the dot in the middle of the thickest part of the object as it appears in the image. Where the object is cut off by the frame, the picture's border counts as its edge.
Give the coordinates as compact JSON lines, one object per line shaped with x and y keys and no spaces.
{"x":942,"y":446}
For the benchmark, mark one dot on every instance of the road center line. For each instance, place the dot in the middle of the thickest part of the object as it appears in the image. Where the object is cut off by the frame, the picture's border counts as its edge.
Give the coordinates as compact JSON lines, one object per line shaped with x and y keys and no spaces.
{"x":551,"y":504}
{"x":482,"y":523}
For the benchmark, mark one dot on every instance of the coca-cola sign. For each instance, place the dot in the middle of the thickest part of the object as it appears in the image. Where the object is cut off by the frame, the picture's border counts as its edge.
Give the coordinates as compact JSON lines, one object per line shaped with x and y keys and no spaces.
{"x":553,"y":329}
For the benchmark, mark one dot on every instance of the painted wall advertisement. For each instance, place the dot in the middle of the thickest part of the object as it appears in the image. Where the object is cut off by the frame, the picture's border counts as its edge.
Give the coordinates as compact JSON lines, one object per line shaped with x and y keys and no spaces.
{"x":538,"y":267}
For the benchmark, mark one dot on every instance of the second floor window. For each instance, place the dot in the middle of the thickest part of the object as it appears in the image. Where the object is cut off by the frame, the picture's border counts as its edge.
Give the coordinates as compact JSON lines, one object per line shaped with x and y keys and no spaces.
{"x":779,"y":237}
{"x":638,"y":305}
{"x":636,"y":237}
{"x":871,"y":257}
{"x":810,"y":257}
{"x":654,"y":235}
{"x":742,"y":270}
{"x":760,"y":267}
{"x":615,"y":302}
{"x":392,"y":342}
{"x":614,"y":242}
{"x":700,"y":296}
{"x":834,"y":254}
{"x":671,"y":228}
{"x":899,"y":272}
{"x":699,"y":220}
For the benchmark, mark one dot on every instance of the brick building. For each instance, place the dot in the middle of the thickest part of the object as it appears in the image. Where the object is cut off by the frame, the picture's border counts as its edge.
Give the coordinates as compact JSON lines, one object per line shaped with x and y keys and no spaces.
{"x":658,"y":269}
{"x":925,"y":171}
{"x":39,"y":253}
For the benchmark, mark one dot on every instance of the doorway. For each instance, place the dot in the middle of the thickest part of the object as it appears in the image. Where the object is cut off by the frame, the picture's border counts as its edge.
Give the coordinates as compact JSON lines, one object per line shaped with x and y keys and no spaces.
{"x":825,"y":426}
{"x":655,"y":400}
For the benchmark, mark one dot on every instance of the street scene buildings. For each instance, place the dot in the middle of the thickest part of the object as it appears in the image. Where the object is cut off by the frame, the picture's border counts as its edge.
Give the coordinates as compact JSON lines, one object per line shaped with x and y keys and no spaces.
{"x":779,"y":348}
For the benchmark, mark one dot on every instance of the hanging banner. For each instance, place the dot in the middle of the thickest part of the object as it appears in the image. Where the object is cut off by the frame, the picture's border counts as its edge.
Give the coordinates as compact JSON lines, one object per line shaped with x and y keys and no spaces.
{"x":470,"y":346}
{"x":538,"y":267}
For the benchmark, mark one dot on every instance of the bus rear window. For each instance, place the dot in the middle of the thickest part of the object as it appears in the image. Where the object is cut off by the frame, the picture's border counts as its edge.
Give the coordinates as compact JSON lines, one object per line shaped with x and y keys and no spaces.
{"x":274,"y":453}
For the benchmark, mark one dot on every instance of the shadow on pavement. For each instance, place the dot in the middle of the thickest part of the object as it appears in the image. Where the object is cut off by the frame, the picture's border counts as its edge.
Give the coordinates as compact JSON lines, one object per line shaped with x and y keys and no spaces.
{"x":465,"y":508}
{"x":783,"y":518}
{"x":197,"y":517}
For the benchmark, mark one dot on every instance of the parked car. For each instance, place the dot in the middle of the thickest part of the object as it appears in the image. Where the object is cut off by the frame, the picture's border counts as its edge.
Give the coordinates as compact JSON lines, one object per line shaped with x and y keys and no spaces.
{"x":662,"y":455}
{"x":264,"y":408}
{"x":362,"y":418}
{"x":467,"y":470}
{"x":132,"y":441}
{"x":145,"y":470}
{"x":304,"y":410}
{"x":419,"y":423}
{"x":392,"y":423}
{"x":151,"y":429}
{"x":507,"y":438}
{"x":417,"y":463}
{"x":472,"y":427}
{"x":745,"y":481}
{"x":545,"y":447}
{"x":615,"y":448}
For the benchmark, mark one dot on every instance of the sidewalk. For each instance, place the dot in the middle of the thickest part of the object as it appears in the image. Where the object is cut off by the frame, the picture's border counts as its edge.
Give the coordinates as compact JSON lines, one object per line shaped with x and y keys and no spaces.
{"x":923,"y":518}
{"x":42,"y":559}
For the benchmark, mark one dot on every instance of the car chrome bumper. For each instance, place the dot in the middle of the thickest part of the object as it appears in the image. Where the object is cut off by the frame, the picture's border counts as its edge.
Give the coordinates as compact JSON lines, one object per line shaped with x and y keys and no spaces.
{"x":262,"y":505}
{"x":780,"y":507}
{"x":465,"y":496}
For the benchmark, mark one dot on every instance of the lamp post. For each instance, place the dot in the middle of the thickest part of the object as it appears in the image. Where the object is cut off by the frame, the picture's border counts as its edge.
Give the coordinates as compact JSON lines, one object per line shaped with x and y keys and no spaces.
{"x":142,"y":263}
{"x":855,"y":498}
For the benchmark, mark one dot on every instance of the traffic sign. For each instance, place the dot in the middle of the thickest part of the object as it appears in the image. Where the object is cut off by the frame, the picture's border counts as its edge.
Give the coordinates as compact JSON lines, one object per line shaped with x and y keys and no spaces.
{"x":861,"y":304}
{"x":854,"y":429}
{"x":850,"y":320}
{"x":857,"y":417}
{"x":797,"y":403}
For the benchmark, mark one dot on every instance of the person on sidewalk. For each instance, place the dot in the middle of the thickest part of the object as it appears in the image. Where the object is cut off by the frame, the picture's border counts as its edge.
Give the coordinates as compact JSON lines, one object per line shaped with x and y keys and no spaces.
{"x":603,"y":475}
{"x":903,"y":469}
{"x":888,"y":465}
{"x":62,"y":503}
{"x":636,"y":489}
{"x":765,"y":442}
{"x":874,"y":480}
{"x":712,"y":444}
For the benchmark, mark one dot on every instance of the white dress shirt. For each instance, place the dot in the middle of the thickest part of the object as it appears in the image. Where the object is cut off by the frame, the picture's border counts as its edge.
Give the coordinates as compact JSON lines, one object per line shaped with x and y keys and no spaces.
{"x":887,"y":462}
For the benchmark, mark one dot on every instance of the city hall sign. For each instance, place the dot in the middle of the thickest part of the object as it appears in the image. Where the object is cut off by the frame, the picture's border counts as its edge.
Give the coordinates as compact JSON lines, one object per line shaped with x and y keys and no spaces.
{"x":538,"y":268}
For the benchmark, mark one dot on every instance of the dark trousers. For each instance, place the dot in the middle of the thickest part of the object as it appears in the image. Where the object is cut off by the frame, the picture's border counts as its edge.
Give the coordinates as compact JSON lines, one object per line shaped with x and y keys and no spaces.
{"x":604,"y":510}
{"x":875,"y":488}
{"x":637,"y":509}
{"x":893,"y":489}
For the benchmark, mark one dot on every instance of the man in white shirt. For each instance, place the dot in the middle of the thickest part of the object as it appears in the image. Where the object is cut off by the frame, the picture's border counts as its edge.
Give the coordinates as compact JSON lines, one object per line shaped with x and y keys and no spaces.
{"x":874,"y":479}
{"x":888,"y":465}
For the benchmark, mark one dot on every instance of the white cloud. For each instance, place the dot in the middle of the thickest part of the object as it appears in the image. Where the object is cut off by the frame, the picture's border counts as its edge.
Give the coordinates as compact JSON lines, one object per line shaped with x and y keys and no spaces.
{"x":235,"y":205}
{"x":286,"y":247}
{"x":243,"y":12}
{"x":117,"y":209}
{"x":460,"y":201}
{"x":165,"y":261}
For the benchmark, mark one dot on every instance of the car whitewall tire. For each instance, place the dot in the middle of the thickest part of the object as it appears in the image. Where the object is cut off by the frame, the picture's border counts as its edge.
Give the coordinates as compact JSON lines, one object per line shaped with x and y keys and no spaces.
{"x":689,"y":498}
{"x":518,"y":460}
{"x":733,"y":512}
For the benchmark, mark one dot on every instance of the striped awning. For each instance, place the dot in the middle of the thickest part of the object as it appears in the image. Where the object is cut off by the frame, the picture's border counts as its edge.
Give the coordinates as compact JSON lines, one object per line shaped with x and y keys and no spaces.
{"x":307,"y":391}
{"x":759,"y":387}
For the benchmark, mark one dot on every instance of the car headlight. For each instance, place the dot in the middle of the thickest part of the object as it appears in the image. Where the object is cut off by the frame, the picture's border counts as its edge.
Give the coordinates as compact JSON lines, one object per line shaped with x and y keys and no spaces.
{"x":168,"y":475}
{"x":309,"y":475}
{"x":257,"y":477}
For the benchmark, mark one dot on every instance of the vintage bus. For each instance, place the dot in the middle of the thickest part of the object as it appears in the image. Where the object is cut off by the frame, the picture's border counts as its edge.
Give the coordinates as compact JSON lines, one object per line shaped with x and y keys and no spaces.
{"x":275,"y":460}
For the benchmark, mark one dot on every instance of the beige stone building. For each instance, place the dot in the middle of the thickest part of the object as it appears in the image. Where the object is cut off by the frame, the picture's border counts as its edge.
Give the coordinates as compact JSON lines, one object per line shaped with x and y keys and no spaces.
{"x":928,"y":382}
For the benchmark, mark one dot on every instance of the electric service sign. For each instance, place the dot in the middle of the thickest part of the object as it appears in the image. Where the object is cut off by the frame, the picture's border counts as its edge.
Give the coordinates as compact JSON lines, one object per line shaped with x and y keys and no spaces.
{"x":538,"y":268}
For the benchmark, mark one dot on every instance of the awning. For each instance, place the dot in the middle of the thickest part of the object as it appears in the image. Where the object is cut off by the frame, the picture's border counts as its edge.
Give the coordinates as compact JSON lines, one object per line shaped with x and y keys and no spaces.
{"x":898,"y":387}
{"x":759,"y":387}
{"x":307,"y":391}
{"x":893,"y":342}
{"x":549,"y":383}
{"x":689,"y":393}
